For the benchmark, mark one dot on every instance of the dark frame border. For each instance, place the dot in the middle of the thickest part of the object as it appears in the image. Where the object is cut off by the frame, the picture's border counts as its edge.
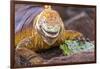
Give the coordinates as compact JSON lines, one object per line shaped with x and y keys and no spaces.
{"x":12,"y":30}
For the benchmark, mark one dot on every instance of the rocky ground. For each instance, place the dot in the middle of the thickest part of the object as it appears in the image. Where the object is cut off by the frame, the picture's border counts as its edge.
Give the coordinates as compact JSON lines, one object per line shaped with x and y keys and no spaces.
{"x":55,"y":56}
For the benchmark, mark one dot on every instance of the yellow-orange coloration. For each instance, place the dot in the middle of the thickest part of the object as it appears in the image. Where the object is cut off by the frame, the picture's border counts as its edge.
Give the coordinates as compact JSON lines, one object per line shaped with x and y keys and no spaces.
{"x":37,"y":41}
{"x":29,"y":39}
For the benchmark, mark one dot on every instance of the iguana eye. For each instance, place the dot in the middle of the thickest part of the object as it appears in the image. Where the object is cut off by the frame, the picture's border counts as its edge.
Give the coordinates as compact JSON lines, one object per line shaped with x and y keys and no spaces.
{"x":43,"y":21}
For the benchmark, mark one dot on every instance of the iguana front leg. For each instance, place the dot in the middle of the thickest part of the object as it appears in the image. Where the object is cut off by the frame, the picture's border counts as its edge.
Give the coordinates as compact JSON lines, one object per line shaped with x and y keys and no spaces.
{"x":24,"y":51}
{"x":70,"y":35}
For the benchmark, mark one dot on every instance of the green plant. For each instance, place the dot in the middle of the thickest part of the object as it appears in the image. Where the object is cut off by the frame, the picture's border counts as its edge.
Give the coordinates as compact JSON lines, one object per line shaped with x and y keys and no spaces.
{"x":75,"y":46}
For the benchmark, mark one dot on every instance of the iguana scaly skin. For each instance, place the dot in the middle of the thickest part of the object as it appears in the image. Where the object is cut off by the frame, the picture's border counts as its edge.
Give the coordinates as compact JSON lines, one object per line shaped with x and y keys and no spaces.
{"x":48,"y":31}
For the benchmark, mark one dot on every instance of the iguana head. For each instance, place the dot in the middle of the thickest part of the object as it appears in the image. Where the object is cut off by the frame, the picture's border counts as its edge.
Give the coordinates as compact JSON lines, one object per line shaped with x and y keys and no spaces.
{"x":49,"y":25}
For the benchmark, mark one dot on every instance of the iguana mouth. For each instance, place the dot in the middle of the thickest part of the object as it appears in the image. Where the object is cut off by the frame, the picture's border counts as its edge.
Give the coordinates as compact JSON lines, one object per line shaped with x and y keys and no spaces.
{"x":51,"y":31}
